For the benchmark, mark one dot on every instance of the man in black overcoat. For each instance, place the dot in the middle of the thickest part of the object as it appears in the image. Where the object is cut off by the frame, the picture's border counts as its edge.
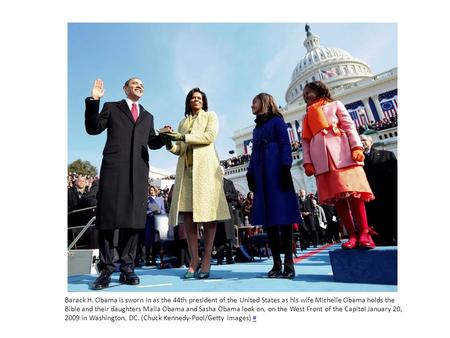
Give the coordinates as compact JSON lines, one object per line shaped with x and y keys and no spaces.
{"x":307,"y":230}
{"x":122,"y":194}
{"x":380,"y":167}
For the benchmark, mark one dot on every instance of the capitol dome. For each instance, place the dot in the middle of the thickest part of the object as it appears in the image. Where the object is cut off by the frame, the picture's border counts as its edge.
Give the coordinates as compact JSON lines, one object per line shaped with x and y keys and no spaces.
{"x":334,"y":66}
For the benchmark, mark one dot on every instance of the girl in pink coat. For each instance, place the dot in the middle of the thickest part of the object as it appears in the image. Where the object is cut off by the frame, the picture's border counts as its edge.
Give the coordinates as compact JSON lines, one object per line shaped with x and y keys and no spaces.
{"x":333,"y":152}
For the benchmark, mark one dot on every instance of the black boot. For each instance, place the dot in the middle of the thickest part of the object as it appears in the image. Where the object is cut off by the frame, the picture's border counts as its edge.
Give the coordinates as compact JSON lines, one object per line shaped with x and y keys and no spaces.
{"x":274,"y":243}
{"x":220,"y":254}
{"x":229,"y":253}
{"x":286,"y":246}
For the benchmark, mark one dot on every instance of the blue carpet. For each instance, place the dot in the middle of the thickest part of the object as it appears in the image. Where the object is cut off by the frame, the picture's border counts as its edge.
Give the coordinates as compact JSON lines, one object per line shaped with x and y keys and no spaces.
{"x":313,"y":274}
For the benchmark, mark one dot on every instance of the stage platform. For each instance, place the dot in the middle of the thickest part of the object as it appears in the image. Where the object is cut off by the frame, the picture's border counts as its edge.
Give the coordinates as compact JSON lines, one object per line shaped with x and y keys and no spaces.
{"x":312,"y":267}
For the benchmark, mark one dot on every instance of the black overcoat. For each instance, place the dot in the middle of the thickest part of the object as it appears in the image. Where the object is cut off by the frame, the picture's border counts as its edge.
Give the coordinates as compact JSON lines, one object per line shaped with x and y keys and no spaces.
{"x":123,"y":185}
{"x":380,"y":167}
{"x":232,"y":197}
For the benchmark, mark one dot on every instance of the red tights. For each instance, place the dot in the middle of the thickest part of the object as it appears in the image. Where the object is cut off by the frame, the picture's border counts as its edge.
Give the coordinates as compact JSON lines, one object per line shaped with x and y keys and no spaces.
{"x":355,"y":206}
{"x":348,"y":206}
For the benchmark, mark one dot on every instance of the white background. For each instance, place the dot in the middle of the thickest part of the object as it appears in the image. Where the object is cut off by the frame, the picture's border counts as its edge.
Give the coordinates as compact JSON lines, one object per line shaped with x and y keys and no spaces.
{"x":33,"y":139}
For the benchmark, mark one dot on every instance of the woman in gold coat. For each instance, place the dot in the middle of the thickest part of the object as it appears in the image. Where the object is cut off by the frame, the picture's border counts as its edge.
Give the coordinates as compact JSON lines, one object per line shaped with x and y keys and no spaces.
{"x":198,"y":194}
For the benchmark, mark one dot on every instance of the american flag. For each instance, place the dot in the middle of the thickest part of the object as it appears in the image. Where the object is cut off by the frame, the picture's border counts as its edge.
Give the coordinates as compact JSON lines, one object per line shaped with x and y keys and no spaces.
{"x":298,"y":128}
{"x":328,"y":73}
{"x":389,"y":107}
{"x":290,"y":133}
{"x":358,"y":116}
{"x":248,"y":145}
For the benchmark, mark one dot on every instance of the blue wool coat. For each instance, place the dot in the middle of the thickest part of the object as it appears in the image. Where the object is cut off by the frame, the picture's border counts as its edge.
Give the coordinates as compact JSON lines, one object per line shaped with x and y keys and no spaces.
{"x":271,"y":149}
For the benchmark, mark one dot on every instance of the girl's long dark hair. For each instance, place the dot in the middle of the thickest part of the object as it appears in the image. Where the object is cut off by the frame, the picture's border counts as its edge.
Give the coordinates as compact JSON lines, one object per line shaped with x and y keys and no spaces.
{"x":269,"y":104}
{"x":187,"y":109}
{"x":321,"y":89}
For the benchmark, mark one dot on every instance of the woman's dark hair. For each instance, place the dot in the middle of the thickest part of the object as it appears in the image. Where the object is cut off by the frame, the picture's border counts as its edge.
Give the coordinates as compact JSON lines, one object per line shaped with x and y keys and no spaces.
{"x":187,"y":109}
{"x":321,"y":89}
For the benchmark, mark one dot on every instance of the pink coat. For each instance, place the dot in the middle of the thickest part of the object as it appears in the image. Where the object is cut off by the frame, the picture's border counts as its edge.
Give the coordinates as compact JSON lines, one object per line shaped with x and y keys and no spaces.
{"x":338,"y":147}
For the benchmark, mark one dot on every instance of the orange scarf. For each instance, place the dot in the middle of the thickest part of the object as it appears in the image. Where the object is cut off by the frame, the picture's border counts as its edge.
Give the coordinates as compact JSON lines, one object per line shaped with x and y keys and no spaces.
{"x":314,"y":120}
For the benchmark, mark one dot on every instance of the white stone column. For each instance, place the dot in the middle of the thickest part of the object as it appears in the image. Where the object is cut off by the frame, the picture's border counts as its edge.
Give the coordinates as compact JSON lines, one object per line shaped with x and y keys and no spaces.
{"x":298,"y":177}
{"x":368,"y":110}
{"x":378,"y":106}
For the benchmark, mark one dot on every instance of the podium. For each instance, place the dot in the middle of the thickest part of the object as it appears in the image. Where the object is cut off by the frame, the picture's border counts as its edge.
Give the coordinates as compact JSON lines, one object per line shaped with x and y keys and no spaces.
{"x":375,"y":266}
{"x":82,"y":262}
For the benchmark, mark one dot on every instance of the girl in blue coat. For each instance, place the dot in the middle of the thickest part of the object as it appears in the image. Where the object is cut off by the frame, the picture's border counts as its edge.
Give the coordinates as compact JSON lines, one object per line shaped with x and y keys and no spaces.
{"x":269,"y":177}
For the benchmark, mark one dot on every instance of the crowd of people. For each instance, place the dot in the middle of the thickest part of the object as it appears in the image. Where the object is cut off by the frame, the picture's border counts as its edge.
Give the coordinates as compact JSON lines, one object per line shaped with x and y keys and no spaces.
{"x":204,"y":208}
{"x":235,"y":161}
{"x":384,"y":123}
{"x":87,"y":182}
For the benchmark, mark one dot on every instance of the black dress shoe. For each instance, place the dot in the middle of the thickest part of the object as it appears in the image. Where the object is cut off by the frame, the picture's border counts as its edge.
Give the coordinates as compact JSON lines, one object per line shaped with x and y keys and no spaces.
{"x":129,"y":278}
{"x":274,"y":273}
{"x":289,"y":270}
{"x":230,"y":261}
{"x":102,"y":281}
{"x":289,"y":274}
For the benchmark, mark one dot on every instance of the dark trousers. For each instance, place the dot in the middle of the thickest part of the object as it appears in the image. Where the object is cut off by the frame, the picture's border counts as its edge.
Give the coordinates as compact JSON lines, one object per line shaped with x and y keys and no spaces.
{"x":314,"y":234}
{"x":304,"y":235}
{"x":222,"y":243}
{"x":146,"y":250}
{"x":280,"y":241}
{"x":127,"y":247}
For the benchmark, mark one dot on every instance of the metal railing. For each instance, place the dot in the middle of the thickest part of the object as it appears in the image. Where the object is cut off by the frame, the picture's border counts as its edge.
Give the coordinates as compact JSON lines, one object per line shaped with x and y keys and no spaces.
{"x":83,"y":228}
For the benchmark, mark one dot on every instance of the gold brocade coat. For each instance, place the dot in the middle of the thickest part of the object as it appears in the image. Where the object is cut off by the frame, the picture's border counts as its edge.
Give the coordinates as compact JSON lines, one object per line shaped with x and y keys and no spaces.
{"x":209,"y":202}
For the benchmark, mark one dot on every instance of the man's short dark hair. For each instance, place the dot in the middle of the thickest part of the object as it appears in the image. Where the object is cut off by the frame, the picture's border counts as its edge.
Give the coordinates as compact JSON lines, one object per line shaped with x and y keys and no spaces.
{"x":128,"y":81}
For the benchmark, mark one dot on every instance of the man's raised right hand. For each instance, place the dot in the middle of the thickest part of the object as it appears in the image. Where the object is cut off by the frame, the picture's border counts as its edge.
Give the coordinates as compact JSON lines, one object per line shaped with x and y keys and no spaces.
{"x":98,"y":90}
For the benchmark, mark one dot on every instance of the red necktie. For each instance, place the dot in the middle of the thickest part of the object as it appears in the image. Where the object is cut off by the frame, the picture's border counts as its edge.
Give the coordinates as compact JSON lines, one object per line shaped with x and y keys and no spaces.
{"x":134,"y":111}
